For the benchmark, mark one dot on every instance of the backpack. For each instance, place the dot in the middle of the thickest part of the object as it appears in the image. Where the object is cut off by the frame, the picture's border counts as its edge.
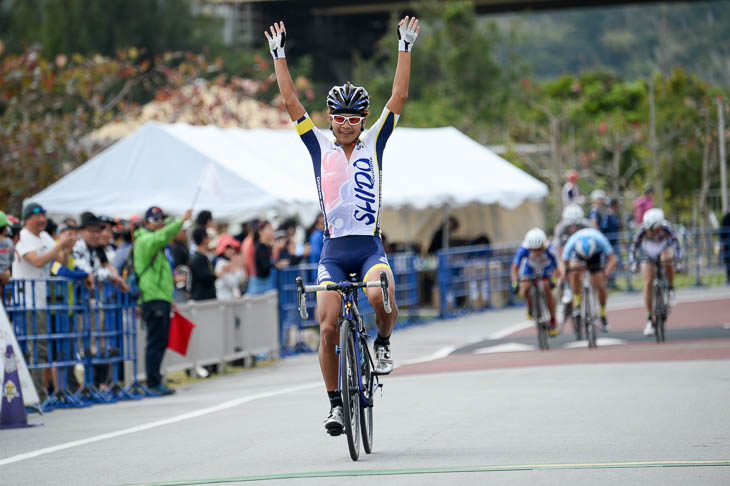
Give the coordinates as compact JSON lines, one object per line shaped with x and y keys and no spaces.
{"x":130,"y":275}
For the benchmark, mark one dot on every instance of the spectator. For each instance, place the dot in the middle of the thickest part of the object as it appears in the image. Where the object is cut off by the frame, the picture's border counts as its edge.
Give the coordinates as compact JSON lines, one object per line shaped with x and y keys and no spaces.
{"x":315,"y":238}
{"x":51,"y":228}
{"x":202,"y":286}
{"x":107,"y":237}
{"x":248,"y":248}
{"x":571,"y":191}
{"x":437,"y":242}
{"x":598,"y":198}
{"x":244,"y":232}
{"x":205,"y":220}
{"x":288,"y":250}
{"x":725,"y":237}
{"x":6,"y":250}
{"x":229,"y":268}
{"x":35,"y":251}
{"x":124,"y":247}
{"x":180,"y":254}
{"x":156,"y":287}
{"x":263,"y":280}
{"x":89,"y":255}
{"x":643,"y":204}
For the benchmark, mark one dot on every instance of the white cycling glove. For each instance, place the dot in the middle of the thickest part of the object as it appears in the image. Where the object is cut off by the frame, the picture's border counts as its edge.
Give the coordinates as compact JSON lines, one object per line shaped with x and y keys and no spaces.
{"x":276,"y":45}
{"x":406,"y":37}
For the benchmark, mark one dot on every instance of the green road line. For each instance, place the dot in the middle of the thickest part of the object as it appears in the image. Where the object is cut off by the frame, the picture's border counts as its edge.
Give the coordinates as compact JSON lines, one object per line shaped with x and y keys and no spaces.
{"x":443,"y":470}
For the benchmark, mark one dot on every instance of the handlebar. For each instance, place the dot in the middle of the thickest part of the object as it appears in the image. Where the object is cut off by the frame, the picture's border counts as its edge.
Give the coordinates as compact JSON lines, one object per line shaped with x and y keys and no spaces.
{"x":341,"y":287}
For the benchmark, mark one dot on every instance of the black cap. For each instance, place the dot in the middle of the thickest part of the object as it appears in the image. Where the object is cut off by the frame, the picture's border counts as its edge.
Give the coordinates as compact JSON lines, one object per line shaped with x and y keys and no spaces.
{"x":155,"y":213}
{"x":31,"y":209}
{"x":89,"y":219}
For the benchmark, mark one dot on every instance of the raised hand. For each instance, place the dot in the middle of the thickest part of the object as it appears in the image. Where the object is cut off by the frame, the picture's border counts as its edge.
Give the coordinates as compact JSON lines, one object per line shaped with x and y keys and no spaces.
{"x":407,"y":32}
{"x":276,"y":39}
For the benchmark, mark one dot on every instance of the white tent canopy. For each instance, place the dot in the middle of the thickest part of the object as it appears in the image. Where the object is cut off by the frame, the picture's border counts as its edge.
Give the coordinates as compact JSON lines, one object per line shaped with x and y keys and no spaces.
{"x":263,"y":169}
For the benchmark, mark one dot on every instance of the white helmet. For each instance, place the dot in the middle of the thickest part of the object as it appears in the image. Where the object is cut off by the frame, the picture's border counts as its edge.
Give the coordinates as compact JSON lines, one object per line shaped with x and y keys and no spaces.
{"x":598,"y":195}
{"x":653,"y":218}
{"x":573,"y":213}
{"x":586,"y":247}
{"x":535,"y":239}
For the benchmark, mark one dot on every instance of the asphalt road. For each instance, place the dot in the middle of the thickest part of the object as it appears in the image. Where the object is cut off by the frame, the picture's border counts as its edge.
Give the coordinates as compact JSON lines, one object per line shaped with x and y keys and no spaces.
{"x":457,"y":409}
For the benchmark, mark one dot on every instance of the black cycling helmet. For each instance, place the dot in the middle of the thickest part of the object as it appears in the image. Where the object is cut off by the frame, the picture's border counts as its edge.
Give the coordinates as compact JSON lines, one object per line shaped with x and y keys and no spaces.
{"x":348,"y":99}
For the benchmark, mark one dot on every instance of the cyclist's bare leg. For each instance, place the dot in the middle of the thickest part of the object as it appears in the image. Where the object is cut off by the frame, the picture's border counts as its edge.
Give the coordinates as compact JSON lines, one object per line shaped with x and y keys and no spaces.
{"x":647,"y":272}
{"x":598,"y":280}
{"x":549,"y":297}
{"x":328,"y":306}
{"x":385,"y":321}
{"x":524,"y":292}
{"x":574,"y":278}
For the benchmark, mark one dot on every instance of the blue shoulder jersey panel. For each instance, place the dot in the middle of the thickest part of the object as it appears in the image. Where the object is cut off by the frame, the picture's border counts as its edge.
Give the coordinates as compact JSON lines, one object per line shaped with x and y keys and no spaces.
{"x":602,"y":243}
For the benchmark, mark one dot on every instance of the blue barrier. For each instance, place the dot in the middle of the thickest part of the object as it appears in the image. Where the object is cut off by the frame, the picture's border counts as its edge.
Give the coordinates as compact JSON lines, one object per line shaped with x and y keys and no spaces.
{"x":60,"y":324}
{"x":292,"y":326}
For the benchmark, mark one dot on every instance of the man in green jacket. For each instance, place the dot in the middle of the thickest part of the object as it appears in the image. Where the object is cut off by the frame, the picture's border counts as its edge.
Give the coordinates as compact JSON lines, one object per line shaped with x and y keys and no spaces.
{"x":154,"y":278}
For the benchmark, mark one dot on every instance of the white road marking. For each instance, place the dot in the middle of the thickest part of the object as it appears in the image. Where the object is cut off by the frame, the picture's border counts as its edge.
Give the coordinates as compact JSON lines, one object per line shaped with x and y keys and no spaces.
{"x":190,"y":415}
{"x":505,"y":348}
{"x":513,"y":329}
{"x":600,"y":342}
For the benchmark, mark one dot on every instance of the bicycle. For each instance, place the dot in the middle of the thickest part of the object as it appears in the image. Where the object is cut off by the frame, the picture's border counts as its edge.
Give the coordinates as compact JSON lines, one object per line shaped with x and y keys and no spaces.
{"x":539,"y":310}
{"x":660,"y":300}
{"x":356,"y":381}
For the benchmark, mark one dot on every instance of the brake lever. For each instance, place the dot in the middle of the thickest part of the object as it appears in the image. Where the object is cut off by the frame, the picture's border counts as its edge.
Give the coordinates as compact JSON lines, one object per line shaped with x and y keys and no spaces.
{"x":301,"y":299}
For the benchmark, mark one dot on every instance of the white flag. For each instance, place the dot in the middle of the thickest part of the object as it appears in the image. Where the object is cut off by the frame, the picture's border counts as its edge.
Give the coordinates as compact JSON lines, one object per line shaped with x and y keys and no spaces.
{"x":210,"y":182}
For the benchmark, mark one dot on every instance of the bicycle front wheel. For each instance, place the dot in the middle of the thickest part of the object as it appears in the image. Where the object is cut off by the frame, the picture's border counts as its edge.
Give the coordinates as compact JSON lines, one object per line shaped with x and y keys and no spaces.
{"x":349,"y":388}
{"x":366,"y":409}
{"x":589,"y":318}
{"x":659,"y":313}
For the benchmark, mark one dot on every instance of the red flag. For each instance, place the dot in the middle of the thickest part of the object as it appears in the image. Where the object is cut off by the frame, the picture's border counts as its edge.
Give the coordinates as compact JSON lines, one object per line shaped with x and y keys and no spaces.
{"x":180,"y":330}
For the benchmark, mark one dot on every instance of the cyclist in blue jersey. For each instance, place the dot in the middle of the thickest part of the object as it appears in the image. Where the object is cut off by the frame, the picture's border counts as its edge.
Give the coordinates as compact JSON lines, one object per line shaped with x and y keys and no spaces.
{"x":536,"y":257}
{"x":348,"y":174}
{"x":586,"y":249}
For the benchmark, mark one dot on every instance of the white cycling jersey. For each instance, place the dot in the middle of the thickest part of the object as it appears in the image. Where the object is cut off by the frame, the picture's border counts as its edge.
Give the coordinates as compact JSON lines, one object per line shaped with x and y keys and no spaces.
{"x":349,"y":190}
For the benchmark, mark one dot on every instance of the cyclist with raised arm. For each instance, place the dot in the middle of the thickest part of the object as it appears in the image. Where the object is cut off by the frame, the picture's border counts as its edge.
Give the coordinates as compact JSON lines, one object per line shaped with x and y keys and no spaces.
{"x":657,"y":241}
{"x":536,"y":257}
{"x":586,"y":250}
{"x":348,"y":175}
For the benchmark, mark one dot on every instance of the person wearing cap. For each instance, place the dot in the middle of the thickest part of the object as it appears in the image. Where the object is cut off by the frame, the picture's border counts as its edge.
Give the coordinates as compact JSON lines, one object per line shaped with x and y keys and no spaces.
{"x":6,"y":250}
{"x":106,"y":240}
{"x":89,"y":255}
{"x":598,"y":197}
{"x":643,"y":204}
{"x":156,"y":288}
{"x":571,"y":192}
{"x":34,"y":253}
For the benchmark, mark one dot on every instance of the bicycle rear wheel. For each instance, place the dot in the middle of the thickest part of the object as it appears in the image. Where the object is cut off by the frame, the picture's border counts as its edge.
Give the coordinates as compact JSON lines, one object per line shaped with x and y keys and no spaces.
{"x":349,"y":388}
{"x":366,"y":409}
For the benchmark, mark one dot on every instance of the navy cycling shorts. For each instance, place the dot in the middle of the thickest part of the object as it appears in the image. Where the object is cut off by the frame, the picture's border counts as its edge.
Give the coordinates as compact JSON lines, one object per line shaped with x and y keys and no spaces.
{"x":358,"y":254}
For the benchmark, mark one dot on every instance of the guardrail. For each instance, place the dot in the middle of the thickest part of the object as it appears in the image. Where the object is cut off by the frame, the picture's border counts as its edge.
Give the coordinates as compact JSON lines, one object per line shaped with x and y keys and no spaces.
{"x":60,"y":325}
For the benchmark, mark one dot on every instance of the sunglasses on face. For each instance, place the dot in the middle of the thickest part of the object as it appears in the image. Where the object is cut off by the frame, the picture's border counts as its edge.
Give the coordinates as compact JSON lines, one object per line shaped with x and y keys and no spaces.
{"x":352,"y":120}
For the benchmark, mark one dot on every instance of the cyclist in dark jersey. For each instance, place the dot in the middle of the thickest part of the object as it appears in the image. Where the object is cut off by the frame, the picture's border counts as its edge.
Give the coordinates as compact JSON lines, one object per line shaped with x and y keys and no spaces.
{"x":348,"y":174}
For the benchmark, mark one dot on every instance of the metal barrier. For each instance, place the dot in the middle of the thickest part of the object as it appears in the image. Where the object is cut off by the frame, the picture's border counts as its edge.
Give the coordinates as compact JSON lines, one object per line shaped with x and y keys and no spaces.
{"x":298,"y":335}
{"x":226,"y":331}
{"x":60,"y":324}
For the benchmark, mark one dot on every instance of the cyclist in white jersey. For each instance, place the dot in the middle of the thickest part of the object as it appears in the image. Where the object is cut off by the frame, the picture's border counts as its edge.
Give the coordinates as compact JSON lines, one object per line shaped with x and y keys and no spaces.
{"x":348,"y":176}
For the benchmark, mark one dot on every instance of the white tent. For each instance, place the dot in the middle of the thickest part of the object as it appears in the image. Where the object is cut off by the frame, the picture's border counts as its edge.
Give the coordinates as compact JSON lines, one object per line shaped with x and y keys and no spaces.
{"x":424,"y":170}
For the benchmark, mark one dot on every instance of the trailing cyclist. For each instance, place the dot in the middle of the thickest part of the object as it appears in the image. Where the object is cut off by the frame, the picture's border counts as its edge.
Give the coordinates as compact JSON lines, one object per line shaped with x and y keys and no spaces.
{"x":573,"y":220}
{"x":657,"y":241}
{"x":348,"y":174}
{"x":536,"y":257}
{"x":586,"y":249}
